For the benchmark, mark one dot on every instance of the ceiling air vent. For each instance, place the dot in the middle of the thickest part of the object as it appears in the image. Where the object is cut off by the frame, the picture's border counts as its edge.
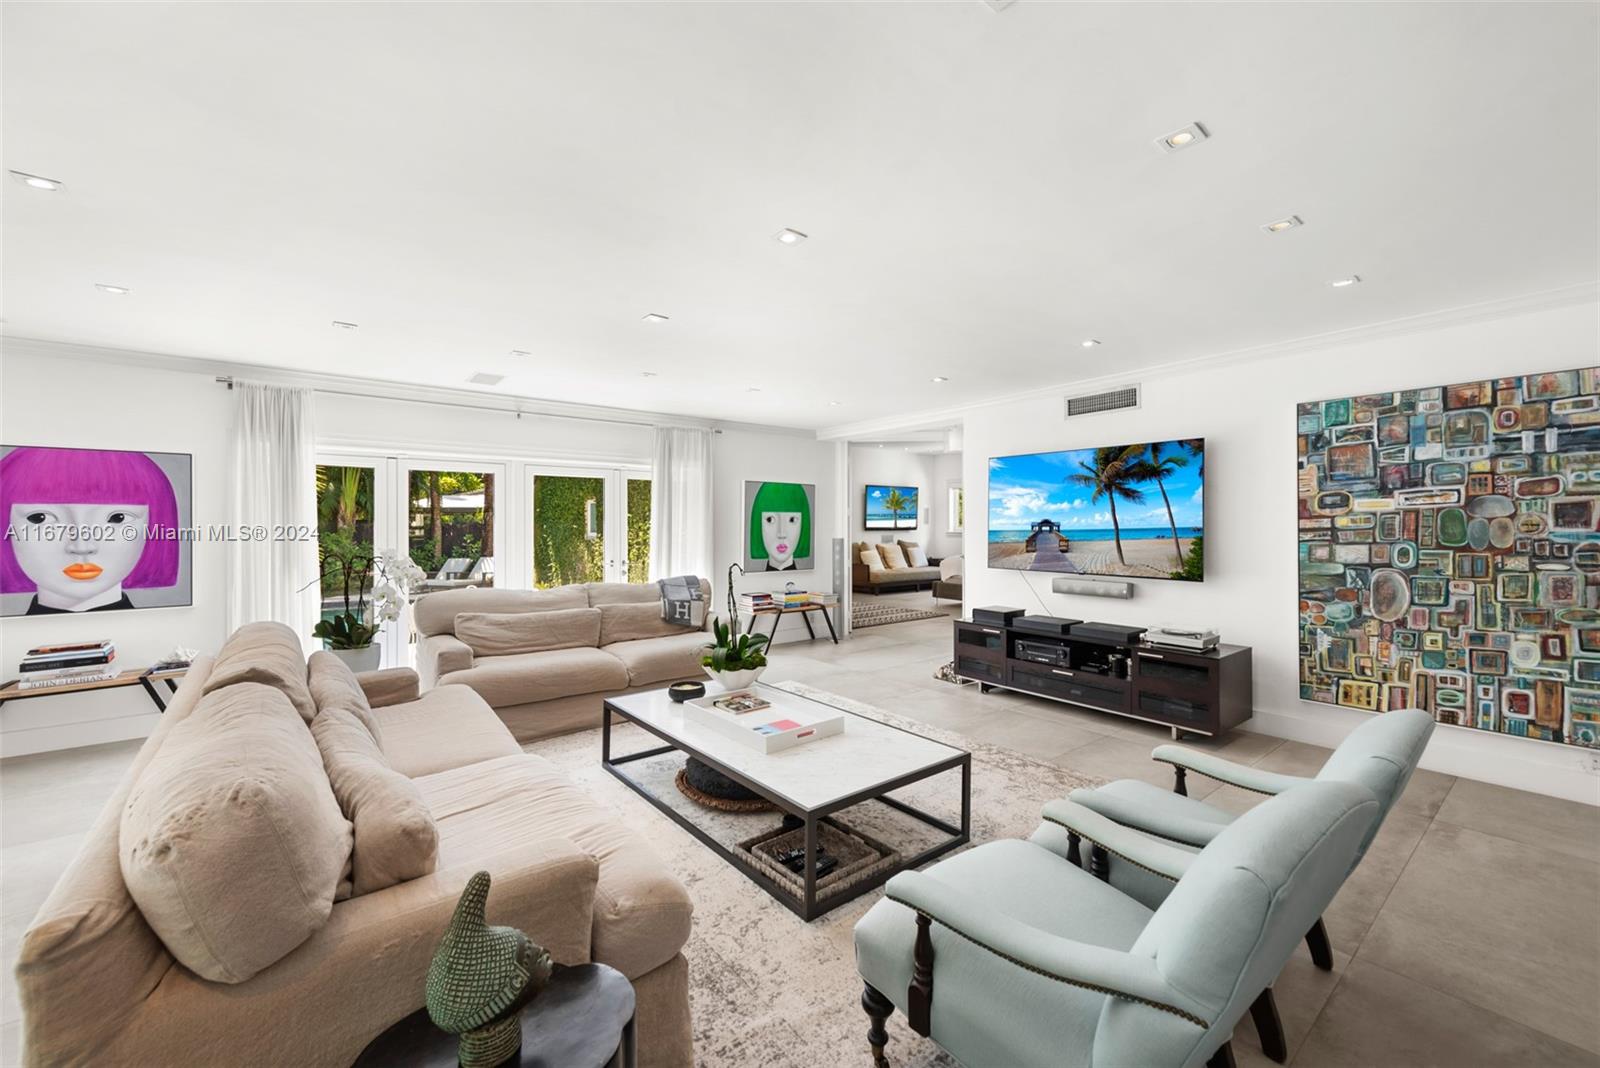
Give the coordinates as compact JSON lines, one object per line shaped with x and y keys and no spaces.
{"x":1108,"y":401}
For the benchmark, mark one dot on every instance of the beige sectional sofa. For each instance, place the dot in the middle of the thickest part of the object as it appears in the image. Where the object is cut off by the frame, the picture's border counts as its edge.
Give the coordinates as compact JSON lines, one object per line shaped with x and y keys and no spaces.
{"x":545,"y":660}
{"x":268,"y":883}
{"x":872,"y":570}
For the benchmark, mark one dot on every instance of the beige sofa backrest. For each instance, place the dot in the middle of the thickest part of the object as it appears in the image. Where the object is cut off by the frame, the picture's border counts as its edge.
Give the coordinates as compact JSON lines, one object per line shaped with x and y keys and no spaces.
{"x":89,"y":958}
{"x":602,"y":593}
{"x":435,"y":613}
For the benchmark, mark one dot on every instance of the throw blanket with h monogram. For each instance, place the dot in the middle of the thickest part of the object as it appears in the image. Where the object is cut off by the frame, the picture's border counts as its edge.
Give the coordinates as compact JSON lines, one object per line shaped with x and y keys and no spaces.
{"x":682,"y":602}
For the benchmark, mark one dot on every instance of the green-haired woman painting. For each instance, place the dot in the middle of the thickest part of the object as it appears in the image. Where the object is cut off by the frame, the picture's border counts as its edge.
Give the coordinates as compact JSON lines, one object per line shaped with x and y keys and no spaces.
{"x":780,"y":527}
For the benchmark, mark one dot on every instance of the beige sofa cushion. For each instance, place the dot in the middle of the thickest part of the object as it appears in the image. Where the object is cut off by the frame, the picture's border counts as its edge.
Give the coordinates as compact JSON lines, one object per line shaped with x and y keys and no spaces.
{"x":871,"y":558}
{"x":447,"y":727}
{"x":915,"y":556}
{"x":334,"y":685}
{"x":893,"y":556}
{"x":630,"y":622}
{"x":600,"y":593}
{"x":270,"y":654}
{"x":499,"y":634}
{"x":389,"y":686}
{"x":435,"y":613}
{"x":395,"y":837}
{"x":523,"y":677}
{"x":641,"y":912}
{"x":662,"y":659}
{"x":234,"y":861}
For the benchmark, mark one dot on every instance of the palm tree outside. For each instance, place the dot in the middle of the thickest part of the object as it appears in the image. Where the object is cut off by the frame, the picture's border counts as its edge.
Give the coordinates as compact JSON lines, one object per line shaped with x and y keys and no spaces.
{"x":1160,"y":465}
{"x":1113,"y":475}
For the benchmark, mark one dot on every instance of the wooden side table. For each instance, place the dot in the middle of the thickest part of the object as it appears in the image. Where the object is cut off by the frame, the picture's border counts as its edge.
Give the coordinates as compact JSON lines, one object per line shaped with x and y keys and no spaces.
{"x":136,"y":677}
{"x":777,"y":612}
{"x":582,"y":1019}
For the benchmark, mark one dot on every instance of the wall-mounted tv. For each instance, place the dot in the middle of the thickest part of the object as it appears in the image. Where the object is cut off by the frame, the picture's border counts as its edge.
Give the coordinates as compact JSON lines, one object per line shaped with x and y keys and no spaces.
{"x":891,"y":508}
{"x":1126,"y":511}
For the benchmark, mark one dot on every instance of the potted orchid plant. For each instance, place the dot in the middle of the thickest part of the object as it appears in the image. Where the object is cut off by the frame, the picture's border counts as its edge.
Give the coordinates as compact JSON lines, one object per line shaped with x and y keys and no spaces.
{"x":392,"y":578}
{"x":734,"y":660}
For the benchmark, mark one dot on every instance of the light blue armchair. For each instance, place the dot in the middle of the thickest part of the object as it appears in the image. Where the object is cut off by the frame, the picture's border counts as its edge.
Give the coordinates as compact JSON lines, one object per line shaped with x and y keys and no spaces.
{"x":1380,"y":755}
{"x":1009,"y":954}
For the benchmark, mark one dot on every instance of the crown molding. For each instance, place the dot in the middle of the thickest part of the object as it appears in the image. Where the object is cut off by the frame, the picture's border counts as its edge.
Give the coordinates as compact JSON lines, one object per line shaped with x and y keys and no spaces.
{"x":376,"y":388}
{"x":1504,"y":308}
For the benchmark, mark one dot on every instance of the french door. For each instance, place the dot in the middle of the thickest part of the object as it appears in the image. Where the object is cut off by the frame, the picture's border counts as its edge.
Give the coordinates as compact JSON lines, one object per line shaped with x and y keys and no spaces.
{"x":356,"y":519}
{"x":587,"y":524}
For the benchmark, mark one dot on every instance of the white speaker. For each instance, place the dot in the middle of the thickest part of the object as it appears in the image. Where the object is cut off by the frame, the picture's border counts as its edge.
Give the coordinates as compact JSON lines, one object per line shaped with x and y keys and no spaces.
{"x":1088,"y":587}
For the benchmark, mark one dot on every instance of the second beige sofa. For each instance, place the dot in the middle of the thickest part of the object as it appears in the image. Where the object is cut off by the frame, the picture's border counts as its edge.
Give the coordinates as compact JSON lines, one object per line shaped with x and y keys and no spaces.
{"x":545,"y":660}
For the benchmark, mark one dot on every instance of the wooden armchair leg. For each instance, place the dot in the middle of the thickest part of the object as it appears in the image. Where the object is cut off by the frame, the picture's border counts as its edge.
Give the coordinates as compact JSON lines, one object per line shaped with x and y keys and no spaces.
{"x":1223,"y":1058}
{"x":1321,"y":948}
{"x":1180,"y":783}
{"x":1269,"y":1025}
{"x":879,"y":1008}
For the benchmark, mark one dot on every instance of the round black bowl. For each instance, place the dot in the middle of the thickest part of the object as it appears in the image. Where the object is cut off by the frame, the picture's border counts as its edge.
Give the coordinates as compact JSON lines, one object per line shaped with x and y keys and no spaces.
{"x":686,"y":691}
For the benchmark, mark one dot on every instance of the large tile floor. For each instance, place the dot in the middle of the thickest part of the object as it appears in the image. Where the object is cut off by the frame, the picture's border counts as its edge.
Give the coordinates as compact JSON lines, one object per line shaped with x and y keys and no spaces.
{"x":1470,"y":935}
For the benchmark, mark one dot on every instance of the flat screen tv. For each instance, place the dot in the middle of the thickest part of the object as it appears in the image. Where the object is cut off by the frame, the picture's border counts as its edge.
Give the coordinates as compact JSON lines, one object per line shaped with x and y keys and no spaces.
{"x":1125,"y":511}
{"x":891,"y":508}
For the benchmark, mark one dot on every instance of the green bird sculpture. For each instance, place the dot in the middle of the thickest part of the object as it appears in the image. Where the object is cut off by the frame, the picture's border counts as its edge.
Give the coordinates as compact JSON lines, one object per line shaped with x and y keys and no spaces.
{"x":480,"y":979}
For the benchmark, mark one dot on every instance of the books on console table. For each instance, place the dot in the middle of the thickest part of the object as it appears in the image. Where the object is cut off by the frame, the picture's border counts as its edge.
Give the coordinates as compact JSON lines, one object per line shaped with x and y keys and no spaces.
{"x":772,"y":728}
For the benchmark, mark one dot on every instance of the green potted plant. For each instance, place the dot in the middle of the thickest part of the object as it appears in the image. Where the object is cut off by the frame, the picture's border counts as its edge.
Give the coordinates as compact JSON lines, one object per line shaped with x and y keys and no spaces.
{"x":350,"y":634}
{"x":734,"y":660}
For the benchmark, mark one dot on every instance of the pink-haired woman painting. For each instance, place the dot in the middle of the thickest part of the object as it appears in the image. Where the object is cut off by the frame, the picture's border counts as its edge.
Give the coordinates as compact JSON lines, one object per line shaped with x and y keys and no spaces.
{"x":83,"y":526}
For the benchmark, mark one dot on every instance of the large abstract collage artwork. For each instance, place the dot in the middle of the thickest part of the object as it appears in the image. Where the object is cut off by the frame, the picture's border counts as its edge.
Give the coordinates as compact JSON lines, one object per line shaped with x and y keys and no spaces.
{"x":1449,"y":554}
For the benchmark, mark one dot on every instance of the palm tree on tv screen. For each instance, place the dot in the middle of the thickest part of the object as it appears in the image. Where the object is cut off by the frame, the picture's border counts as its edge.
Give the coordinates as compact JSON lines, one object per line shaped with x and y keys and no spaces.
{"x":1113,"y":475}
{"x":1161,"y":465}
{"x":896,"y":502}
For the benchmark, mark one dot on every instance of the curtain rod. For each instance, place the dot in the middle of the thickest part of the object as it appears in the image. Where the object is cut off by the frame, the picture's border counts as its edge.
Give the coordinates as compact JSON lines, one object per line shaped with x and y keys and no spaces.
{"x":227,"y":380}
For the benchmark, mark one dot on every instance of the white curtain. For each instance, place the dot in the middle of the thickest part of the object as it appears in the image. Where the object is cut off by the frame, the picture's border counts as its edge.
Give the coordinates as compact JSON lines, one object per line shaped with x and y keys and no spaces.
{"x":272,"y":559}
{"x":680,"y":503}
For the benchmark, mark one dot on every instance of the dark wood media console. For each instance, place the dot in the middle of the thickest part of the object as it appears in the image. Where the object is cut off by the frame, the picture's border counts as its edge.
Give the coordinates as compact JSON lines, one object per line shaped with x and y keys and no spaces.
{"x":1196,"y":693}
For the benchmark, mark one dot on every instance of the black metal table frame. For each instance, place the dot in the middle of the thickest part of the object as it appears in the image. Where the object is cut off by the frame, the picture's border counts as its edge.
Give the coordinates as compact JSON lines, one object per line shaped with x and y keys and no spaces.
{"x":807,"y":907}
{"x":777,"y":615}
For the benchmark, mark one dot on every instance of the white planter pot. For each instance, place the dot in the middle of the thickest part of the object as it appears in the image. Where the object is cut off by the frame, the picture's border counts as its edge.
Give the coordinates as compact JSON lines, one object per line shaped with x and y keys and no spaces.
{"x":359,"y":660}
{"x":735,"y":680}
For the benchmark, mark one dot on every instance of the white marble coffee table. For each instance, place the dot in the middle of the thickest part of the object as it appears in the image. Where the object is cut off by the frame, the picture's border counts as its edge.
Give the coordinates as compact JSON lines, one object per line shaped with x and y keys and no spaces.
{"x":811,"y":781}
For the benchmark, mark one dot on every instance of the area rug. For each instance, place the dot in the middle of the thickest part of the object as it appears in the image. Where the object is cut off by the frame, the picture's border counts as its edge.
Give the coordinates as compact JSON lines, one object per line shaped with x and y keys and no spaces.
{"x":878,"y":615}
{"x":765,"y":987}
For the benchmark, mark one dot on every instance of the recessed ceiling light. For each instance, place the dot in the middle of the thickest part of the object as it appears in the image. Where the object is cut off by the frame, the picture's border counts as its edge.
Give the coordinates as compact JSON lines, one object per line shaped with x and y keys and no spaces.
{"x":104,"y":288}
{"x":647,"y":374}
{"x":753,"y":389}
{"x":521,"y":352}
{"x":834,"y":404}
{"x":653,"y":317}
{"x":789,"y":237}
{"x":1340,"y":283}
{"x":1090,"y":342}
{"x":938,"y":378}
{"x":346,"y":326}
{"x":34,"y":181}
{"x":483,"y":378}
{"x":1187,"y":137}
{"x":880,"y":445}
{"x":1281,"y":225}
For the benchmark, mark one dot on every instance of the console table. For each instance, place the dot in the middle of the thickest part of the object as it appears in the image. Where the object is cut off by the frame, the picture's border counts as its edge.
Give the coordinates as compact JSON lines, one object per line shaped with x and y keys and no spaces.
{"x":144,"y":677}
{"x":1193,"y":693}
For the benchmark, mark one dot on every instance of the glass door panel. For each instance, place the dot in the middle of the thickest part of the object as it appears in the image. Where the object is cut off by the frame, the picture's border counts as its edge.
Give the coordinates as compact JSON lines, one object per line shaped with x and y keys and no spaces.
{"x":450,"y":525}
{"x":569,"y":531}
{"x":637,"y":563}
{"x":345,"y":511}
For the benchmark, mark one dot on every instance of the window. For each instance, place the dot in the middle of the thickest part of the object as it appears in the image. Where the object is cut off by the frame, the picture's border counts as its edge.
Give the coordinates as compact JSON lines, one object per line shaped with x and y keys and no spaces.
{"x":955,"y":509}
{"x":344,"y":535}
{"x":589,"y":525}
{"x":638,"y":529}
{"x":450,"y":525}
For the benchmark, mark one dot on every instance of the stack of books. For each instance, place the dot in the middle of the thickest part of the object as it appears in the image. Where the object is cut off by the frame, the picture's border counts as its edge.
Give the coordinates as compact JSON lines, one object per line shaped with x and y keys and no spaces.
{"x":68,"y":665}
{"x":749,"y":602}
{"x":794,"y":600}
{"x":827,"y":599}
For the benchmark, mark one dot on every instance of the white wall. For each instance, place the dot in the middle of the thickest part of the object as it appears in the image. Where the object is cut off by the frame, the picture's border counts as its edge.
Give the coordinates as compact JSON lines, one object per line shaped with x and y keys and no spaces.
{"x":738,"y":455}
{"x":1246,"y":413}
{"x":87,"y":402}
{"x":893,"y":465}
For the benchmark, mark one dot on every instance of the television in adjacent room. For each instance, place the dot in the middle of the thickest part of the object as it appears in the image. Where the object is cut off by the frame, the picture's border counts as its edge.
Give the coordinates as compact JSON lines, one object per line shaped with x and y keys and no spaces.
{"x":1121,"y":511}
{"x":891,"y":508}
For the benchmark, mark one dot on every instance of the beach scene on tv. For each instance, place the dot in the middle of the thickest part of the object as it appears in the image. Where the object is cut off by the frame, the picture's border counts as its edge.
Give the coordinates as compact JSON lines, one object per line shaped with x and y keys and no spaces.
{"x":1130,"y":511}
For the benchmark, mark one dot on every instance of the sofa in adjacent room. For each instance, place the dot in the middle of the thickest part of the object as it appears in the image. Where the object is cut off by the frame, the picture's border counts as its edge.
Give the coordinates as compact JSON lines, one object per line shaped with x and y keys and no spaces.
{"x":270,"y":880}
{"x":545,"y":660}
{"x":890,"y":566}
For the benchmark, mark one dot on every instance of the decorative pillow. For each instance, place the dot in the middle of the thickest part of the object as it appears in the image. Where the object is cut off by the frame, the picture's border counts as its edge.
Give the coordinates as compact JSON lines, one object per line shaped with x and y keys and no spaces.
{"x":914,"y":554}
{"x":232,"y":843}
{"x":268,"y":653}
{"x":893,"y":558}
{"x":495,"y":634}
{"x":873,"y":561}
{"x":395,"y":836}
{"x":630,"y":622}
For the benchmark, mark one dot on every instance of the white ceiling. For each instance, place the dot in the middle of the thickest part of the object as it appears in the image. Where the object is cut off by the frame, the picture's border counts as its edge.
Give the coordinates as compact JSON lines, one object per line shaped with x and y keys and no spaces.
{"x":980,"y":188}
